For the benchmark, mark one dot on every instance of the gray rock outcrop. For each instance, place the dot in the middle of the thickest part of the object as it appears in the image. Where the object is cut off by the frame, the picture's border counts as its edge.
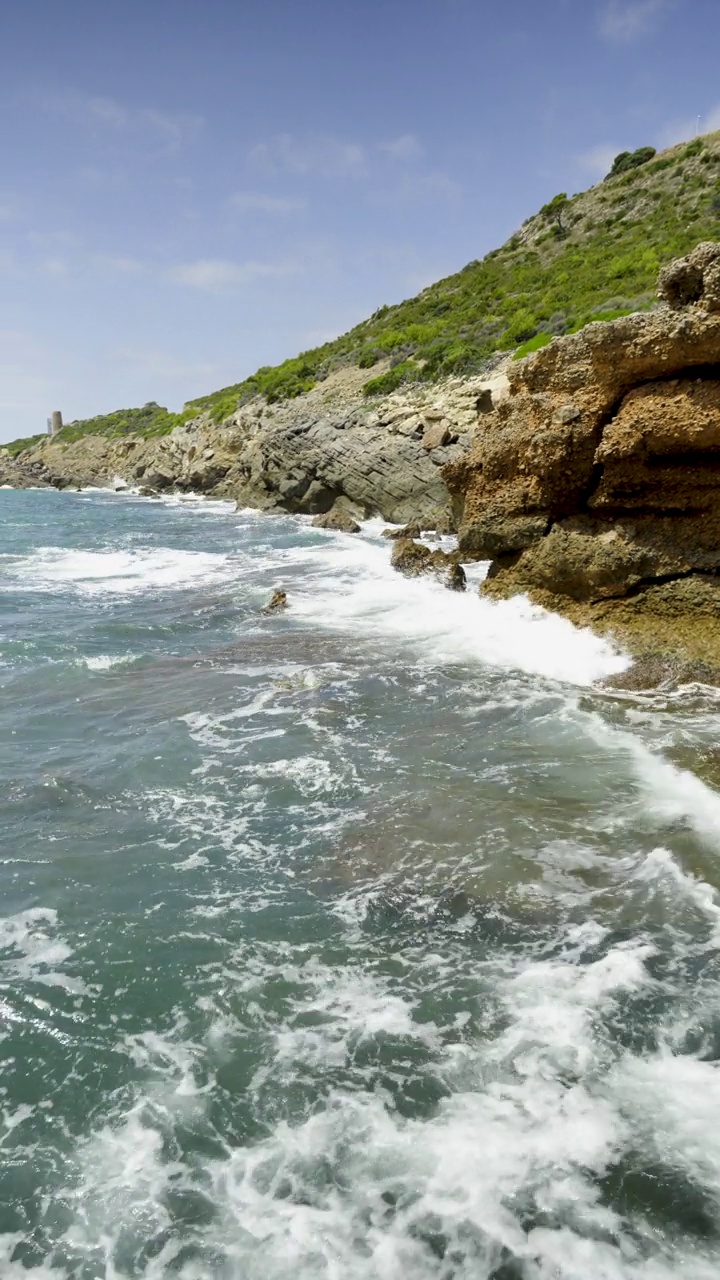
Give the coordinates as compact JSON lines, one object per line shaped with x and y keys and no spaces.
{"x":328,"y":447}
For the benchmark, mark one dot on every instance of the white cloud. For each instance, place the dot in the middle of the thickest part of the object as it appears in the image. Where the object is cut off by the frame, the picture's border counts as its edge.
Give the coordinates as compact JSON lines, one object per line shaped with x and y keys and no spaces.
{"x":256,"y":202}
{"x":216,"y":275}
{"x":626,"y":20}
{"x":119,"y":263}
{"x":405,"y":148}
{"x":170,"y":130}
{"x":392,"y":171}
{"x":417,"y":188}
{"x":55,"y":268}
{"x":324,"y":156}
{"x":311,"y":156}
{"x":681,"y":130}
{"x":164,"y":364}
{"x":597,"y":160}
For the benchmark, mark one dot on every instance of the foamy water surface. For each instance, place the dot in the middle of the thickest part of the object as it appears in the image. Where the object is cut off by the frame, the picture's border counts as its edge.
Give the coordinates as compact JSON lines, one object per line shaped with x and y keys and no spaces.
{"x":369,"y":940}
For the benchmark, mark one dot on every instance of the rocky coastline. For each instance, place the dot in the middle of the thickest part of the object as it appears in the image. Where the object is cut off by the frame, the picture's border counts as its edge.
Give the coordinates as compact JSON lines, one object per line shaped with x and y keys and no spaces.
{"x":594,"y":486}
{"x":588,"y":474}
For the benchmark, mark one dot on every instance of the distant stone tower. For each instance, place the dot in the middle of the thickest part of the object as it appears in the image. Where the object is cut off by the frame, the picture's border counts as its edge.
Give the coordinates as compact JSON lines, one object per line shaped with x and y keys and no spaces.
{"x":56,"y":422}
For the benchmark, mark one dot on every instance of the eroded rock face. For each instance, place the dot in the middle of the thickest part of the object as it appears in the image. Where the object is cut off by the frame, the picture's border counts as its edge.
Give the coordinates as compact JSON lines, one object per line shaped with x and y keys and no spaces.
{"x":306,"y":455}
{"x":598,"y":478}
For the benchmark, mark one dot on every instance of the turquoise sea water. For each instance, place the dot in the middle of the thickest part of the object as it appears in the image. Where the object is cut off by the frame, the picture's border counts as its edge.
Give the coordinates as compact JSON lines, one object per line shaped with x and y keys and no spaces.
{"x":371,"y":941}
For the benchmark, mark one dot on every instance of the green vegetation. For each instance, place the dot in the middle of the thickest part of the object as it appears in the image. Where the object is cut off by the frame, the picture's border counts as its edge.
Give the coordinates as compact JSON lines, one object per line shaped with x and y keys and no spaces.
{"x":28,"y":442}
{"x":582,"y":258}
{"x":554,"y":212}
{"x":391,"y":380}
{"x":151,"y":420}
{"x":631,"y":160}
{"x":532,"y":344}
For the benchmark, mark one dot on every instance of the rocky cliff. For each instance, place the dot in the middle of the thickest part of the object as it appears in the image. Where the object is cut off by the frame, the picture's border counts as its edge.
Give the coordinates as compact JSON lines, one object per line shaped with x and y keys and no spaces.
{"x":588,"y":473}
{"x":330,"y":445}
{"x":595,"y":485}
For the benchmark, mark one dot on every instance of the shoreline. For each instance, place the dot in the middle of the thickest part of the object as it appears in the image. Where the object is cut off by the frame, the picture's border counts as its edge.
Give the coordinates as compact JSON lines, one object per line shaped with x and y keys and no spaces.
{"x":469,"y":616}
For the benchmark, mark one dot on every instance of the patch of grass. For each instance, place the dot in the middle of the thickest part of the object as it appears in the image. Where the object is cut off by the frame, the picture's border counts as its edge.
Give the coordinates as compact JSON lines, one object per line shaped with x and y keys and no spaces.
{"x":28,"y":442}
{"x":533,"y":344}
{"x":390,"y":381}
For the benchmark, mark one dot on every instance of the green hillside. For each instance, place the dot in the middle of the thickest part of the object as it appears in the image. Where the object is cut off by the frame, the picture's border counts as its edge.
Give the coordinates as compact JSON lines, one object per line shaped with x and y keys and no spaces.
{"x":592,"y":256}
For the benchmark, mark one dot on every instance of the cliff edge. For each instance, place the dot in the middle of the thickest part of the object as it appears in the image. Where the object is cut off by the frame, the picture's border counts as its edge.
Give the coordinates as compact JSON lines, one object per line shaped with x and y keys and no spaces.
{"x":595,"y":485}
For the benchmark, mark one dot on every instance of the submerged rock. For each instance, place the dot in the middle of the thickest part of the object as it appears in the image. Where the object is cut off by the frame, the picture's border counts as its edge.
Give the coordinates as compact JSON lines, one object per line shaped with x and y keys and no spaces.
{"x":404,"y":531}
{"x":414,"y":559}
{"x":277,"y":602}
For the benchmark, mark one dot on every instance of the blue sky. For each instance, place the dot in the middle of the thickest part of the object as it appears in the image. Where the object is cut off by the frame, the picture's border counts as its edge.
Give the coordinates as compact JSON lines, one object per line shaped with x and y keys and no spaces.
{"x":189,"y":190}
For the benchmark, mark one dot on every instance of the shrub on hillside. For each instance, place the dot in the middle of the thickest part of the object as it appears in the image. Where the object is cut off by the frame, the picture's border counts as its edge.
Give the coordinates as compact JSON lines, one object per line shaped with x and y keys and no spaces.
{"x":391,"y":380}
{"x":627,"y":160}
{"x":368,"y":358}
{"x":555,"y":212}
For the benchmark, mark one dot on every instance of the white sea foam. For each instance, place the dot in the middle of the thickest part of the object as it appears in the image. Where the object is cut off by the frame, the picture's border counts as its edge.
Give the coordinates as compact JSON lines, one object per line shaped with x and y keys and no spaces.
{"x":661,"y":869}
{"x":670,"y":794}
{"x":349,"y":585}
{"x":198,"y":503}
{"x":35,"y":951}
{"x":356,"y":1191}
{"x":121,"y":572}
{"x":105,"y":661}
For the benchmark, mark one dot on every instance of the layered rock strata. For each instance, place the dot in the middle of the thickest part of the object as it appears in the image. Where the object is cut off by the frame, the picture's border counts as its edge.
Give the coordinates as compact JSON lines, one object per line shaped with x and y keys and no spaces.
{"x":308,"y":455}
{"x":595,"y":485}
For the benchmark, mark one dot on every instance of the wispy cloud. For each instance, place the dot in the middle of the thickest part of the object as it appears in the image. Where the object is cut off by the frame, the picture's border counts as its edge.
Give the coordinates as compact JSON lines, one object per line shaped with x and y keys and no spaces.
{"x":256,"y":202}
{"x":406,"y":148}
{"x":163,"y":364}
{"x":312,"y":156}
{"x":168,"y":130}
{"x":680,"y":130}
{"x":416,"y":187}
{"x":324,"y":156}
{"x":626,"y":20}
{"x":54,"y":268}
{"x":216,"y":275}
{"x":597,"y":160}
{"x":389,"y":171}
{"x":118,"y":263}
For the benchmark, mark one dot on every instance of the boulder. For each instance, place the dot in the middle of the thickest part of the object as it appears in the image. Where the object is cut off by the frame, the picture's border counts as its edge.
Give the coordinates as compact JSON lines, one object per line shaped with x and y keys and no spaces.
{"x":414,"y":559}
{"x":692,"y":279}
{"x":403,"y":531}
{"x":437,"y":435}
{"x":338,"y":519}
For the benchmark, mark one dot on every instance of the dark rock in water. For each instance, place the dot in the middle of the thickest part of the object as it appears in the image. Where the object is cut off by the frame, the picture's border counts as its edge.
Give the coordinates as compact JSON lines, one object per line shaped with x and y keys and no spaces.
{"x":277,"y":602}
{"x":405,"y":531}
{"x":338,"y":519}
{"x":414,"y":559}
{"x":147,"y":492}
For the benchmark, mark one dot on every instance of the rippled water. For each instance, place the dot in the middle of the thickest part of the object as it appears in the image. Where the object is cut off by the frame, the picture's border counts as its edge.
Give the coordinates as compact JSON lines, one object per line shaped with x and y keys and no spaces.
{"x":367,"y":941}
